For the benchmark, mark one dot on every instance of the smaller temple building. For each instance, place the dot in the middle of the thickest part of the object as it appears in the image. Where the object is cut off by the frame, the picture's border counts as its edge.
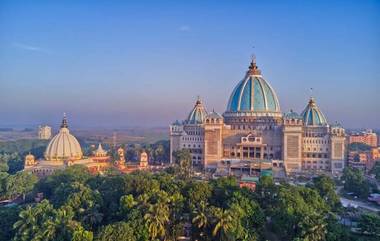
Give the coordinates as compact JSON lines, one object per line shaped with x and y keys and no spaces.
{"x":64,"y":150}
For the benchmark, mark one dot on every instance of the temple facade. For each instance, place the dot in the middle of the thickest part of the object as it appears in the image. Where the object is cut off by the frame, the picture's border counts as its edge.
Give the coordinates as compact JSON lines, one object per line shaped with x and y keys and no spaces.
{"x":253,"y":128}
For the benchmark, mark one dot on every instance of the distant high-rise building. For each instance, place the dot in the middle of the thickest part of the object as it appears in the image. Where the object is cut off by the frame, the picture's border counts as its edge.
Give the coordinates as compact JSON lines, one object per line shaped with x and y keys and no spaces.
{"x":44,"y":132}
{"x":367,"y":137}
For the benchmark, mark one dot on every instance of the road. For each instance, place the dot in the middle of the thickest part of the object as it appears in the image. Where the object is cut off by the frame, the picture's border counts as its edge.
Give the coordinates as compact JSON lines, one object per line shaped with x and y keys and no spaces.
{"x":353,"y":203}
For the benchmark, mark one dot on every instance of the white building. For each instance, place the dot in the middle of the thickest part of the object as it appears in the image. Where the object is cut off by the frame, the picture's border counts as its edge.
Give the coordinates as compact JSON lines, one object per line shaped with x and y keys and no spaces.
{"x":44,"y":132}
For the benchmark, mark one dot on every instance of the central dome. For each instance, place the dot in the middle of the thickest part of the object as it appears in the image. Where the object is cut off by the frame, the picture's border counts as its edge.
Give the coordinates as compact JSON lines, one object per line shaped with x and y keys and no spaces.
{"x":253,"y":94}
{"x":63,"y":146}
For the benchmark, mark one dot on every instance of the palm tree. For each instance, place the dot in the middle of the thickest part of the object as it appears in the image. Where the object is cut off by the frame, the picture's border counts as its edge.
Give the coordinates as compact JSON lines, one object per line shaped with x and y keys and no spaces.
{"x":313,"y":228}
{"x":26,"y":226}
{"x":223,"y":223}
{"x":200,"y":218}
{"x":159,"y":153}
{"x":61,"y":225}
{"x":31,"y":223}
{"x":93,"y":217}
{"x":157,"y":219}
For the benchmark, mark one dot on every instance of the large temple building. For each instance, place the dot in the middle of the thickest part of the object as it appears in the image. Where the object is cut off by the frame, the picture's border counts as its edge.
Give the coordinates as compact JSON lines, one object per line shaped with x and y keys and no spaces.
{"x":253,"y":129}
{"x":64,"y":150}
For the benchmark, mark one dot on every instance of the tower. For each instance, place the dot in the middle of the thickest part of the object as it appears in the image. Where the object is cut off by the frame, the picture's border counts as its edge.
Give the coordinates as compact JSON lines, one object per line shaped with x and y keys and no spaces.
{"x":44,"y":132}
{"x":213,"y":139}
{"x":338,"y":148}
{"x":292,"y":142}
{"x":143,"y":160}
{"x":120,"y":153}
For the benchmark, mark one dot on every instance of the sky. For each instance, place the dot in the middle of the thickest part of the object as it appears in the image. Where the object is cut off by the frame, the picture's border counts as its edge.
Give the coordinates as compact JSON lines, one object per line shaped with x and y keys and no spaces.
{"x":143,"y":63}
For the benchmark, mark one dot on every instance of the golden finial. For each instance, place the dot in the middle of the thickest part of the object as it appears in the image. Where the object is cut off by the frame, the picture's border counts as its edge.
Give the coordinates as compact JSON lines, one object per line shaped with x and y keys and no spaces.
{"x":253,"y":69}
{"x":64,"y":121}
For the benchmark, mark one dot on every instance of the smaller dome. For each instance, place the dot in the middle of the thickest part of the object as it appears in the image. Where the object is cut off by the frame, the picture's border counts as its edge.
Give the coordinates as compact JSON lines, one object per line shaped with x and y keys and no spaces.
{"x":177,"y":123}
{"x":336,"y":125}
{"x":214,"y":115}
{"x":29,"y":156}
{"x":292,"y":115}
{"x":312,"y":116}
{"x":198,"y":114}
{"x":29,"y":160}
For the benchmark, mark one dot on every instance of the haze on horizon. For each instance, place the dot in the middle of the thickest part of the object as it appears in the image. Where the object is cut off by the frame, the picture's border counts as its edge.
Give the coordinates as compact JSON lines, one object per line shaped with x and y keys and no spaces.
{"x":143,"y":63}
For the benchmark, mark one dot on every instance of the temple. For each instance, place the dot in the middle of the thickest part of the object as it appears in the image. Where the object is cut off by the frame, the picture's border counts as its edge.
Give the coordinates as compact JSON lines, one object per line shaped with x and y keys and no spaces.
{"x":253,"y":129}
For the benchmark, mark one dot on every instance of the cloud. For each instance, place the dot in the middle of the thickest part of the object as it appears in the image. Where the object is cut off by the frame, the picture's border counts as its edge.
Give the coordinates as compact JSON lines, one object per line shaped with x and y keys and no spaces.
{"x":30,"y":48}
{"x":184,"y":28}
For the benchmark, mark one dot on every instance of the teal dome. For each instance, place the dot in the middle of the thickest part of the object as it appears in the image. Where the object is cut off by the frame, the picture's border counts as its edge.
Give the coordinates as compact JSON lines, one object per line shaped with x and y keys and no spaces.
{"x":253,"y":94}
{"x":214,"y":115}
{"x":198,"y":114}
{"x":292,"y":115}
{"x":312,"y":116}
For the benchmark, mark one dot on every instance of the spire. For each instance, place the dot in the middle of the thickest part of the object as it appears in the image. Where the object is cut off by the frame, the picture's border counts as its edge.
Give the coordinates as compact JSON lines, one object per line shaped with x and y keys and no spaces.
{"x":100,"y":148}
{"x":198,"y":102}
{"x":253,"y":69}
{"x":64,"y":121}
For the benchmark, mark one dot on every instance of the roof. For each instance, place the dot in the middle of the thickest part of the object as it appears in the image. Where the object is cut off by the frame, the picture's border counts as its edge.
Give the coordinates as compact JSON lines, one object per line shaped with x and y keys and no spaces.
{"x":198,"y":113}
{"x":63,"y":146}
{"x":249,"y":179}
{"x":312,"y":115}
{"x":253,"y":94}
{"x":214,"y":115}
{"x":292,"y":115}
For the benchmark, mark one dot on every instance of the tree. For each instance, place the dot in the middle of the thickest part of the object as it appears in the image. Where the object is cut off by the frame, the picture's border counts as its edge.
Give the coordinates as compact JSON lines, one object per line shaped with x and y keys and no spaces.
{"x":249,"y":218}
{"x":223,"y":223}
{"x":86,"y":204}
{"x":267,"y":191}
{"x":354,"y":181}
{"x":370,"y":224}
{"x":159,"y":153}
{"x":198,"y":192}
{"x":75,"y":173}
{"x":336,"y":231}
{"x":156,"y":219}
{"x":200,"y":218}
{"x":8,"y":216}
{"x":43,"y":222}
{"x":313,"y":227}
{"x":376,"y":169}
{"x":20,"y":184}
{"x":31,"y":219}
{"x":116,"y":231}
{"x":184,"y":162}
{"x":80,"y":234}
{"x":3,"y":185}
{"x":15,"y":165}
{"x":326,"y":189}
{"x":300,"y":214}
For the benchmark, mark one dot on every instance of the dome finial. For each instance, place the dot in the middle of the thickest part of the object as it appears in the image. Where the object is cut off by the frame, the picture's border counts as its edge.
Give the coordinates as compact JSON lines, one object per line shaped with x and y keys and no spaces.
{"x":64,"y":121}
{"x":311,"y":100}
{"x":253,"y":69}
{"x":199,"y":101}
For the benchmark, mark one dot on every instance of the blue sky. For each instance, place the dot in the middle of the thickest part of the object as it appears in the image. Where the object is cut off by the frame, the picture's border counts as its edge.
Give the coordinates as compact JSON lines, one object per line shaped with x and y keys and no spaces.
{"x":142,"y":63}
